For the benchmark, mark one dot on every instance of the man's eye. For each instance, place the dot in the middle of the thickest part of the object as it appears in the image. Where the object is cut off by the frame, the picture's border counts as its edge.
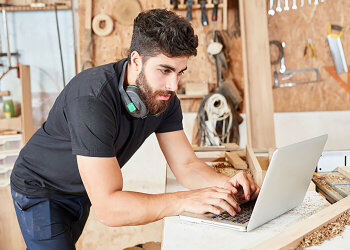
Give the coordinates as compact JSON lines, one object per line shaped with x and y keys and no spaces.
{"x":165,"y":71}
{"x":181,"y":73}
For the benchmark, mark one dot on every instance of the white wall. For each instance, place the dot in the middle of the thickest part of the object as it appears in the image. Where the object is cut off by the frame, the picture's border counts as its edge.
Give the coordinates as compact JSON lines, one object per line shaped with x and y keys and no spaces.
{"x":298,"y":126}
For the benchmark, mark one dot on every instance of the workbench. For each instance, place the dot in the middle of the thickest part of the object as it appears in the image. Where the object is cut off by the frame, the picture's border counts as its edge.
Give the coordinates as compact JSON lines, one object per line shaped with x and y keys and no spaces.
{"x":180,"y":234}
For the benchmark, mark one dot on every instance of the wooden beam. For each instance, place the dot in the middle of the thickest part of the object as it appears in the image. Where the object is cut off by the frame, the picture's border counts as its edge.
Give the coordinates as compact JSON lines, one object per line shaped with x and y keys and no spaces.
{"x":26,"y":105}
{"x":236,"y":160}
{"x":292,"y":236}
{"x":257,"y":74}
{"x":254,"y":166}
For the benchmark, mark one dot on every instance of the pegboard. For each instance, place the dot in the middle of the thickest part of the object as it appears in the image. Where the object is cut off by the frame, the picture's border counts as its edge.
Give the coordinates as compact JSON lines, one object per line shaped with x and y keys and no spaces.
{"x":294,"y":27}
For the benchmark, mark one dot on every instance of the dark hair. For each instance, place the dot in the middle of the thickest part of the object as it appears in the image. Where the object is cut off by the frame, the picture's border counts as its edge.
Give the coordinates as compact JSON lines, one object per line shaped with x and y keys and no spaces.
{"x":161,"y":31}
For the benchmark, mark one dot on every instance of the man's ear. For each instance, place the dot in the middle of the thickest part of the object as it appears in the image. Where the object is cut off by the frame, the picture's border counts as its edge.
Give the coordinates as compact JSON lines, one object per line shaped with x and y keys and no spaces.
{"x":136,"y":61}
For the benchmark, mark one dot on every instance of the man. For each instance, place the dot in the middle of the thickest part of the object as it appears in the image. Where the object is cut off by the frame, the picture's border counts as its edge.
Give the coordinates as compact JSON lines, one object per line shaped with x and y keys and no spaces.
{"x":97,"y":123}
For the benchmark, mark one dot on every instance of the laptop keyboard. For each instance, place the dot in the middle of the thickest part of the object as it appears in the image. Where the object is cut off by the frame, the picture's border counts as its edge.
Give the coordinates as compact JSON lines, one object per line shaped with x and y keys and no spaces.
{"x":241,"y":218}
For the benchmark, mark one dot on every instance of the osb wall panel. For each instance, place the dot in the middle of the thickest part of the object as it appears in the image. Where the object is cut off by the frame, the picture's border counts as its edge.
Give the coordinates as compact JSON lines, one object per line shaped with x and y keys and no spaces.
{"x":200,"y":68}
{"x":294,"y":27}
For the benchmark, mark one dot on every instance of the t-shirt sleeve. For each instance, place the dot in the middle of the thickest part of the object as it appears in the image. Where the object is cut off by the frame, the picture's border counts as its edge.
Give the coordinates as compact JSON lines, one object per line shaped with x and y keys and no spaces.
{"x":173,"y":118}
{"x":92,"y":127}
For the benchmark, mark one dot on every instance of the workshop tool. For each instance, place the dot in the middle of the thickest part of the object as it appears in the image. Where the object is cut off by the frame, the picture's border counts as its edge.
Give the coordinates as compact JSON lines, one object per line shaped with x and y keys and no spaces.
{"x":336,"y":48}
{"x":278,"y":8}
{"x":204,"y":13}
{"x":301,"y":3}
{"x":214,"y":16}
{"x":310,"y":46}
{"x":286,"y":5}
{"x":287,"y":75}
{"x":189,"y":9}
{"x":332,"y":71}
{"x":59,"y":45}
{"x":215,"y":120}
{"x":107,"y":27}
{"x":175,"y":3}
{"x":271,"y":11}
{"x":294,"y":6}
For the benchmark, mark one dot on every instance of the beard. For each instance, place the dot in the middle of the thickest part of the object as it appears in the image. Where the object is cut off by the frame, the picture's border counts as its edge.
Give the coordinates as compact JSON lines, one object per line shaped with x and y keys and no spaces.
{"x":149,"y":97}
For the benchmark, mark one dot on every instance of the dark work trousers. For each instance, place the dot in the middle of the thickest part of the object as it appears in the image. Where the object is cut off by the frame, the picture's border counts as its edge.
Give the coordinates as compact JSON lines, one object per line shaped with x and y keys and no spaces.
{"x":51,"y":223}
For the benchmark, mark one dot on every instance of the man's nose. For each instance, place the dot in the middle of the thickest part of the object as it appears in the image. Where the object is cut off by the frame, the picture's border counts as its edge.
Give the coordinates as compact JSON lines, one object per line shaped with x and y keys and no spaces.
{"x":172,"y":83}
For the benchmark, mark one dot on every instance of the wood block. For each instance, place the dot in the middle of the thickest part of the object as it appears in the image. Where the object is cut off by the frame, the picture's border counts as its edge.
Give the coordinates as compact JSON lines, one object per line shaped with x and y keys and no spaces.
{"x":235,"y":160}
{"x":344,"y":171}
{"x":196,"y":88}
{"x":292,"y":236}
{"x":254,"y":166}
{"x":14,"y":123}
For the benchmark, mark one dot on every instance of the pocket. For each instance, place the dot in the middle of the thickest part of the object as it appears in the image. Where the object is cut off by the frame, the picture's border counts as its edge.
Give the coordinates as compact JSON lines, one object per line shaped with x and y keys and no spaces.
{"x":23,"y":202}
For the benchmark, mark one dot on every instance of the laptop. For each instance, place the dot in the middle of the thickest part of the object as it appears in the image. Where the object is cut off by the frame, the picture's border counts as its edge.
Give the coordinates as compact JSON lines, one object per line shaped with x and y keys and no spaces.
{"x":286,"y":182}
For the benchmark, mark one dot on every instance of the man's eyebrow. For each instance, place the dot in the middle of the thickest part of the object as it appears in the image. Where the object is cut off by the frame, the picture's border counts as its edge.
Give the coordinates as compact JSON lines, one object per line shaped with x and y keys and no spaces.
{"x":170,"y":67}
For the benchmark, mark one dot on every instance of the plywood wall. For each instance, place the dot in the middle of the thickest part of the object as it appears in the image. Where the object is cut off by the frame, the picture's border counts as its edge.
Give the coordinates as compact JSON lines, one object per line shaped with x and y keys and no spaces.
{"x":200,"y":68}
{"x":294,"y":27}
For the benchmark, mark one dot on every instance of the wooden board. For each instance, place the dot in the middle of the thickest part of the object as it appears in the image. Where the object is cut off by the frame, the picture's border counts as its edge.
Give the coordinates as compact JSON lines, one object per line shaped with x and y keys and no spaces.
{"x":294,"y":28}
{"x":292,"y":237}
{"x":257,"y":80}
{"x":344,"y":171}
{"x":254,"y":166}
{"x":236,"y":160}
{"x":10,"y":234}
{"x":26,"y":105}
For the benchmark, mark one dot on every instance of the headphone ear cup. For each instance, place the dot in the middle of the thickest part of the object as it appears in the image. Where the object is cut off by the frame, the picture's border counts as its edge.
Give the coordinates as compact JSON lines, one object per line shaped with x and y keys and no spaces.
{"x":134,"y":94}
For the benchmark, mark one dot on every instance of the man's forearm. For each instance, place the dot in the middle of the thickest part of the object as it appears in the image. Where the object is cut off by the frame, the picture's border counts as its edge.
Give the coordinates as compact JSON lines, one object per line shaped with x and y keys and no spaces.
{"x":124,"y":208}
{"x":199,"y":175}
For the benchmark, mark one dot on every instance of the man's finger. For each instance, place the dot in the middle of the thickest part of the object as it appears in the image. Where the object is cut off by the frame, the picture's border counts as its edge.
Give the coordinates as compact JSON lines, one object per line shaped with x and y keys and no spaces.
{"x":244,"y":182}
{"x":253,"y":186}
{"x":229,"y":186}
{"x":222,"y":204}
{"x":231,"y":200}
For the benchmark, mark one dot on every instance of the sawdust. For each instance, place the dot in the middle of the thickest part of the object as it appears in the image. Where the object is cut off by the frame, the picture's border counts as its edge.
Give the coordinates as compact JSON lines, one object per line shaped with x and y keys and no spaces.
{"x":320,"y":182}
{"x":327,"y":232}
{"x":334,"y":179}
{"x":227,"y":169}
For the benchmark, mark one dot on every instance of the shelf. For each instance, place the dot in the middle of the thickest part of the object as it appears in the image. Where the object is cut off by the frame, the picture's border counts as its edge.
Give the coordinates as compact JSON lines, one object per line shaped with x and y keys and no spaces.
{"x":28,"y":8}
{"x":182,"y":96}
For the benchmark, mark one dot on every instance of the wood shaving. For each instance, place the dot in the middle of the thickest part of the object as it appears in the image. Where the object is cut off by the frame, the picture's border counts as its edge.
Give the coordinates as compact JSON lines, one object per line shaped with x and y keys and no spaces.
{"x":334,"y":179}
{"x":321,"y":182}
{"x":327,"y":232}
{"x":227,"y":169}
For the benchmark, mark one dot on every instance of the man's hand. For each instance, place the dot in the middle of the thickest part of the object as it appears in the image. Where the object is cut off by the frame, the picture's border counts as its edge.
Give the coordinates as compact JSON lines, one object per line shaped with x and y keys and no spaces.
{"x":209,"y":199}
{"x":243,"y":187}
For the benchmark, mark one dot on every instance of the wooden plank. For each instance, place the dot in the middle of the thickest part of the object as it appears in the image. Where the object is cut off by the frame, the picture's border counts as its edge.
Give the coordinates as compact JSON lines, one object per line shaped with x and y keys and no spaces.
{"x":26,"y":105}
{"x":14,"y":123}
{"x":331,"y":195}
{"x":344,"y":171}
{"x":88,"y":42}
{"x":254,"y":166}
{"x":257,"y":77}
{"x":10,"y":234}
{"x":5,"y":93}
{"x":196,"y":89}
{"x":292,"y":237}
{"x":236,"y":160}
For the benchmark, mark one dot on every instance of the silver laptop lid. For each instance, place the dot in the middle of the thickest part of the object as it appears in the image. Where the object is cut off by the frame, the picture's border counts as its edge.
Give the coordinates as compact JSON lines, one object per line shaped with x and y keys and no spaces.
{"x":287,"y":179}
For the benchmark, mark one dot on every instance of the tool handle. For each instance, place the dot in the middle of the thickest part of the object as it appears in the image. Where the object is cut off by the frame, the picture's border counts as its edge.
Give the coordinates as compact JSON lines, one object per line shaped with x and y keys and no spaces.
{"x":204,"y":14}
{"x":189,"y":10}
{"x":215,"y":12}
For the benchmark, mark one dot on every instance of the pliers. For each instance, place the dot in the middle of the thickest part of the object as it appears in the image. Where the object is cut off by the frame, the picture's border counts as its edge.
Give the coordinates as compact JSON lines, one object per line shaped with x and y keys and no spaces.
{"x":311,"y":46}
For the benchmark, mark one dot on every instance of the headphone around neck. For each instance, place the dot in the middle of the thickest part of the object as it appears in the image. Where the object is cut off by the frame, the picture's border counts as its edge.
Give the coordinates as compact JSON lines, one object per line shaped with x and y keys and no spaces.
{"x":131,"y":98}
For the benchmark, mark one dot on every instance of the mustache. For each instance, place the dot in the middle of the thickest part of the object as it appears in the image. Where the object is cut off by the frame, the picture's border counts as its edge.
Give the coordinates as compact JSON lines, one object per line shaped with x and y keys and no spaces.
{"x":164,"y":92}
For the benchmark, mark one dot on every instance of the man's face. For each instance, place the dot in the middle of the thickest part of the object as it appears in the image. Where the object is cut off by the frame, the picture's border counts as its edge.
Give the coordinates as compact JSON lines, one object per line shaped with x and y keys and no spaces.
{"x":159,"y":79}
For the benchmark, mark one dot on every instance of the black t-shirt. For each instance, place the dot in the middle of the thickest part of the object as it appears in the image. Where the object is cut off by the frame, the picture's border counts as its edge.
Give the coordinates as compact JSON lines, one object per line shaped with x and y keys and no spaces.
{"x":89,"y":119}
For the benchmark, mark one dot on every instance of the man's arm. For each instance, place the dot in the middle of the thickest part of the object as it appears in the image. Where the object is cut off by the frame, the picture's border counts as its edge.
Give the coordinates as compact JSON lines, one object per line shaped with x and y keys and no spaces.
{"x":103,"y":182}
{"x":193,"y":173}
